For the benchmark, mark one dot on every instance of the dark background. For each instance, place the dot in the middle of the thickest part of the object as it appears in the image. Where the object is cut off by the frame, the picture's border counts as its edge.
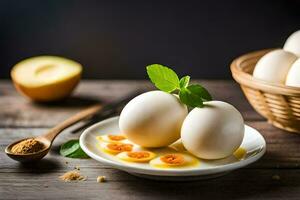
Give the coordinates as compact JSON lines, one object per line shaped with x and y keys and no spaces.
{"x":117,"y":39}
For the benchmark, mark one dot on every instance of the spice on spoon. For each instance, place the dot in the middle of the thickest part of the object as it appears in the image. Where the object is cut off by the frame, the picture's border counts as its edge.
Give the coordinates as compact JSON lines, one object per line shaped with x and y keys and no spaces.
{"x":27,"y":146}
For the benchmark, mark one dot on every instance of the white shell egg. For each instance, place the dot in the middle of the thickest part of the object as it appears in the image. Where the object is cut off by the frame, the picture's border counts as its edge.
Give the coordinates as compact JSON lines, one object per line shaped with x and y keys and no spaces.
{"x":214,"y":131}
{"x":153,"y":119}
{"x":293,"y":76}
{"x":274,"y":66}
{"x":292,"y":44}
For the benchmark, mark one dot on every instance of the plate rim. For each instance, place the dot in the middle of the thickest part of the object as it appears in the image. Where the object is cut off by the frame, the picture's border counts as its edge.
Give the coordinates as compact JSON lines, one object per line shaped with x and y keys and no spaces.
{"x":169,"y":172}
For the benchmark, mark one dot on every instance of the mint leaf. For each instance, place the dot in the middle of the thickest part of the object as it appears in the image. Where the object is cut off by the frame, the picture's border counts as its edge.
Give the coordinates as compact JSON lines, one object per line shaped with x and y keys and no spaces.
{"x":72,"y":149}
{"x":200,"y":91}
{"x":194,"y":95}
{"x":69,"y":147}
{"x":167,"y":80}
{"x":163,"y":77}
{"x":184,"y":81}
{"x":79,"y":153}
{"x":190,"y":99}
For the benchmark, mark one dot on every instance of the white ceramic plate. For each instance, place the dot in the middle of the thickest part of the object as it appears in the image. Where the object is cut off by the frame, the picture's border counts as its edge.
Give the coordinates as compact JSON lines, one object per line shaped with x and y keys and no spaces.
{"x":253,"y":143}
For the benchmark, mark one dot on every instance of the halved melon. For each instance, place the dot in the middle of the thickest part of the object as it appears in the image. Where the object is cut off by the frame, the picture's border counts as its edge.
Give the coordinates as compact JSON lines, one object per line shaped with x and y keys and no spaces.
{"x":46,"y":78}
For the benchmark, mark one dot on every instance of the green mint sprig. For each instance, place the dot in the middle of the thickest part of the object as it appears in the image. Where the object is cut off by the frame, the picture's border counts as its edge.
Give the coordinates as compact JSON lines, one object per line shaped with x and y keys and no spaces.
{"x":167,"y":80}
{"x":72,"y":149}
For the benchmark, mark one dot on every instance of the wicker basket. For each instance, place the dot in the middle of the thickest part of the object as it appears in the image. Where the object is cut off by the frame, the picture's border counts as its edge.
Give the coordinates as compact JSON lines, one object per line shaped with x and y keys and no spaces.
{"x":280,"y":104}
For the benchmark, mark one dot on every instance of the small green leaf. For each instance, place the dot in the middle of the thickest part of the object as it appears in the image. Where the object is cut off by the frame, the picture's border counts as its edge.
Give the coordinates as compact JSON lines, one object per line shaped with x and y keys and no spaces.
{"x":72,"y":149}
{"x":167,"y":80}
{"x":194,"y":95}
{"x":190,"y":99}
{"x":163,"y":77}
{"x":184,"y":81}
{"x":200,"y":91}
{"x":69,"y":147}
{"x":79,"y":153}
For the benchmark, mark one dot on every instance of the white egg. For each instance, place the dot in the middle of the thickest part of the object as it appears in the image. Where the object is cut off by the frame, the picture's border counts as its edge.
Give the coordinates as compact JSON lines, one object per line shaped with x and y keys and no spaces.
{"x":292,"y":44}
{"x":153,"y":119}
{"x":214,"y":131}
{"x":293,"y":76}
{"x":274,"y":66}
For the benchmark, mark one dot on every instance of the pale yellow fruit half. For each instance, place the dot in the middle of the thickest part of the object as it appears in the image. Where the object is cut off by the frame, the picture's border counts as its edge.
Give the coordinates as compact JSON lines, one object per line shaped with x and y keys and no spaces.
{"x":46,"y":78}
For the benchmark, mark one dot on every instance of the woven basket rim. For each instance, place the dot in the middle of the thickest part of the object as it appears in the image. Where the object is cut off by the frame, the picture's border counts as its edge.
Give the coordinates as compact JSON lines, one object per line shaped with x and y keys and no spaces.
{"x":248,"y":80}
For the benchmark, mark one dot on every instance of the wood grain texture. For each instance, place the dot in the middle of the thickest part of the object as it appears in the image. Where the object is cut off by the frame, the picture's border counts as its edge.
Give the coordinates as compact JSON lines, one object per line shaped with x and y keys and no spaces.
{"x":40,"y":180}
{"x":23,"y":181}
{"x":16,"y":111}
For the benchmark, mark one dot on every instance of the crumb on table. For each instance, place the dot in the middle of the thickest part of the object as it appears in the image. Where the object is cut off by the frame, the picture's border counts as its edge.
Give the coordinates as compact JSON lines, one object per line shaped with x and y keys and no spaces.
{"x":101,"y":179}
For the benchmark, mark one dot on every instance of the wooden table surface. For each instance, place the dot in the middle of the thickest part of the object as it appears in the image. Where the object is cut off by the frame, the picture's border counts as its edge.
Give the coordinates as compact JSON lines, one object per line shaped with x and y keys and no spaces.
{"x":275,"y":176}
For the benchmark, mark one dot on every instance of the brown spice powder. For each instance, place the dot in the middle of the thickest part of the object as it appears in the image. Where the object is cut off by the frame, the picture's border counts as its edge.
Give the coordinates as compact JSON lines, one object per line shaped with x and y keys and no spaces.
{"x":72,"y":176}
{"x":27,"y":146}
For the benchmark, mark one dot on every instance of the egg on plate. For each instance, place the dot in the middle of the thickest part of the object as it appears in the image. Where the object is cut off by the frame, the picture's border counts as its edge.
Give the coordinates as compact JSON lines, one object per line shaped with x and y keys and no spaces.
{"x":115,"y":148}
{"x":136,"y":156}
{"x":111,"y":138}
{"x":292,"y":44}
{"x":274,"y":66}
{"x":214,"y":131}
{"x":293,"y":76}
{"x":174,"y":160}
{"x":153,"y":119}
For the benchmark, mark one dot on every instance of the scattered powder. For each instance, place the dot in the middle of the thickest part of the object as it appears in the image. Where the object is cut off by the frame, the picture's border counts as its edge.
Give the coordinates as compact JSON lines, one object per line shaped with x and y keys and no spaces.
{"x":72,"y":176}
{"x":101,"y":179}
{"x":27,"y":146}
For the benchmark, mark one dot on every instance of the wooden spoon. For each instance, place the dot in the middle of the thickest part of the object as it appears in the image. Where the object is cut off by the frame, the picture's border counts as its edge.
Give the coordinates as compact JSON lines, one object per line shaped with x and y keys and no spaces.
{"x":48,"y":138}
